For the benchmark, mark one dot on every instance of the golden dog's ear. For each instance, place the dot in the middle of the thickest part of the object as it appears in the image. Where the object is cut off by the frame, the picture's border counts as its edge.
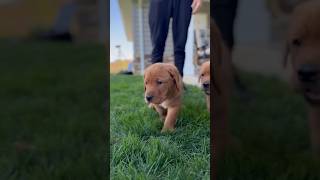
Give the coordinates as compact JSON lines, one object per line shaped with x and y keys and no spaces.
{"x":286,"y":54}
{"x":175,"y":75}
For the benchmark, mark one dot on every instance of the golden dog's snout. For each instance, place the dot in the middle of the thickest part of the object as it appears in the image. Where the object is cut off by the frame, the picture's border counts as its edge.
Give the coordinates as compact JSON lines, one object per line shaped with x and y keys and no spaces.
{"x":206,"y":85}
{"x":149,"y":98}
{"x":307,"y":73}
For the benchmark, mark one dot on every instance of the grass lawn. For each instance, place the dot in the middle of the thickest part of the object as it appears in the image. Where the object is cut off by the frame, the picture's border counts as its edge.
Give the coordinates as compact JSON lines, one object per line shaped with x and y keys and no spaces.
{"x":52,"y":101}
{"x":273,"y":130}
{"x":140,"y":151}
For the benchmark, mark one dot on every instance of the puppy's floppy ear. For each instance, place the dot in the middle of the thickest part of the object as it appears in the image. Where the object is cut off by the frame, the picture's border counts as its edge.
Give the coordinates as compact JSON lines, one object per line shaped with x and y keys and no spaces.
{"x":175,"y":75}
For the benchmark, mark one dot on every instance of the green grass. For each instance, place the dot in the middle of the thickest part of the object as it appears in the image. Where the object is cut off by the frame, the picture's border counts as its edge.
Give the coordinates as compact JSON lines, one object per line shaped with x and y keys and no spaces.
{"x":274,"y":134}
{"x":52,"y":100}
{"x":140,"y":151}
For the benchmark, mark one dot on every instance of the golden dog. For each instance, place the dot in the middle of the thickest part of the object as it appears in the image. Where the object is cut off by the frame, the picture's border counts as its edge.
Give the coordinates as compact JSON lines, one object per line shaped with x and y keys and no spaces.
{"x":303,"y":51}
{"x":204,"y":79}
{"x":163,"y":91}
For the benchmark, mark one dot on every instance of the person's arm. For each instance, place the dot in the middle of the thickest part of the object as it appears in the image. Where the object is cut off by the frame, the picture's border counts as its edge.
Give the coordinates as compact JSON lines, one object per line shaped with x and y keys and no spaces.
{"x":196,"y":4}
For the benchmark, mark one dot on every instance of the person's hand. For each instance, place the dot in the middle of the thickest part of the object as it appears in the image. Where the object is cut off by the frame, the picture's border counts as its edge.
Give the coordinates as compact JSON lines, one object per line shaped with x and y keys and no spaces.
{"x":196,"y":4}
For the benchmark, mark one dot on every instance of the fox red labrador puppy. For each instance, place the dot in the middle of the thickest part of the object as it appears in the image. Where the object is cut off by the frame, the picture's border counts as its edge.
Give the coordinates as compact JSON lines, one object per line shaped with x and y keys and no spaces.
{"x":303,"y":53}
{"x":163,"y":88}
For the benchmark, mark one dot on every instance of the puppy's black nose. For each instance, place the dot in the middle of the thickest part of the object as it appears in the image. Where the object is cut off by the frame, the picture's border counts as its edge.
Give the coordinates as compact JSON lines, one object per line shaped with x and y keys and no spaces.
{"x":307,"y":73}
{"x":149,"y":98}
{"x":206,"y":85}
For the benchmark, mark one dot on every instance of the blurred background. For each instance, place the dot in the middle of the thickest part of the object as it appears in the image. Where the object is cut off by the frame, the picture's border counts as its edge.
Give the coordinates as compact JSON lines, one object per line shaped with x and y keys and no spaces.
{"x":79,"y":20}
{"x":268,"y":120}
{"x":53,"y":91}
{"x":260,"y":33}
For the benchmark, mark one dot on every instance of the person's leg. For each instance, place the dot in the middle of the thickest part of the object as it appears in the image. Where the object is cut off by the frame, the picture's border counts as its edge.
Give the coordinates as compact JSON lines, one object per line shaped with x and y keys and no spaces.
{"x":181,"y":15}
{"x":159,"y":18}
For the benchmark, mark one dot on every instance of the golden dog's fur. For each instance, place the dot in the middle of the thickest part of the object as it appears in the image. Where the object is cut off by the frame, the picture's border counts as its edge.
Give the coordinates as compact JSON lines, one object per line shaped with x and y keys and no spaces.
{"x":303,"y":53}
{"x":204,"y":79}
{"x":163,"y":83}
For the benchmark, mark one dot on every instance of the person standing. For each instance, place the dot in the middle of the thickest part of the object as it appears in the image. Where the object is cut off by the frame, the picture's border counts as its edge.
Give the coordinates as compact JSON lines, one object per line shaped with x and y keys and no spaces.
{"x":160,"y":13}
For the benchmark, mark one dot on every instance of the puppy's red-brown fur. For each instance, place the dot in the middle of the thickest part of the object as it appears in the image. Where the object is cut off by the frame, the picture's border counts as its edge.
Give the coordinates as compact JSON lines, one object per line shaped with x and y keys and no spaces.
{"x":204,"y":79}
{"x":163,"y":90}
{"x":303,"y":54}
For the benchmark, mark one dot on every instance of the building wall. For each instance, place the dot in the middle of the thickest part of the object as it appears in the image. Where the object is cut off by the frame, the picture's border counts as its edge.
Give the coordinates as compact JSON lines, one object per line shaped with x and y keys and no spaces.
{"x":20,"y":17}
{"x":87,"y":24}
{"x":252,"y":15}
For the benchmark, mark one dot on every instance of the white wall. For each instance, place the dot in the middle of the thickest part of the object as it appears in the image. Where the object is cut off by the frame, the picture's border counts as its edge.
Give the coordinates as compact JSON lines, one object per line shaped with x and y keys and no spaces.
{"x":252,"y":23}
{"x":188,"y":66}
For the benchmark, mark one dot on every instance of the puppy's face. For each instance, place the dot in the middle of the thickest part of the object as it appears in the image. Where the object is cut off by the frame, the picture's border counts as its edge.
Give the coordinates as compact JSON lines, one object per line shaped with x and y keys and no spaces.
{"x":303,"y":49}
{"x":160,"y":82}
{"x":204,"y":77}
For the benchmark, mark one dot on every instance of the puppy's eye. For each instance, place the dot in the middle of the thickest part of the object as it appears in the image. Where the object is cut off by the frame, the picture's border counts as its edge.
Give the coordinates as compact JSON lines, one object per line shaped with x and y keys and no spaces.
{"x":159,"y":82}
{"x":296,"y":42}
{"x":202,"y":75}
